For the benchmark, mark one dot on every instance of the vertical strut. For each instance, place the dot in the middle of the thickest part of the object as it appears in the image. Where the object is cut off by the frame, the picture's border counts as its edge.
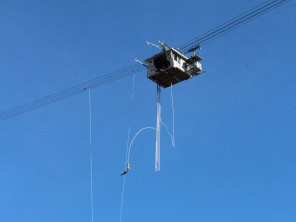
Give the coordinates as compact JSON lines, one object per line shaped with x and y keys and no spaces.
{"x":158,"y":121}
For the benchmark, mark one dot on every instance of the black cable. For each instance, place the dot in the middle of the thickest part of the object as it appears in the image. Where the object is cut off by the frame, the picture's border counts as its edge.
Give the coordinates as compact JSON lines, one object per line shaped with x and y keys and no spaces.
{"x":233,"y":23}
{"x":81,"y":85}
{"x":225,"y":23}
{"x":238,"y":24}
{"x":84,"y":85}
{"x":232,"y":26}
{"x":55,"y":99}
{"x":71,"y":91}
{"x":242,"y":23}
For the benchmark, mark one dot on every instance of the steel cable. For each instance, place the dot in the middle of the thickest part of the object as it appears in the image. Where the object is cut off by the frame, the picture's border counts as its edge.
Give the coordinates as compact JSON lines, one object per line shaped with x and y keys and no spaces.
{"x":232,"y":24}
{"x":71,"y":91}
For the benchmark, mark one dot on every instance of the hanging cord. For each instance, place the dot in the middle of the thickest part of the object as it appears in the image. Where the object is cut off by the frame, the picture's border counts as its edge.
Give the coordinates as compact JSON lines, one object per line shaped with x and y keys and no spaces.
{"x":158,"y":125}
{"x":173,"y":112}
{"x":90,"y":118}
{"x":136,"y":135}
{"x":91,"y":189}
{"x":157,"y":129}
{"x":131,"y":119}
{"x":169,"y":133}
{"x":123,"y":184}
{"x":122,"y":198}
{"x":127,"y":148}
{"x":172,"y":135}
{"x":90,"y":157}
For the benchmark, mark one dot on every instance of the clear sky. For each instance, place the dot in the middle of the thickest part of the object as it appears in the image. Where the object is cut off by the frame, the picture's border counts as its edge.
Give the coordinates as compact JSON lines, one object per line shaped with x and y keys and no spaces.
{"x":235,"y":125}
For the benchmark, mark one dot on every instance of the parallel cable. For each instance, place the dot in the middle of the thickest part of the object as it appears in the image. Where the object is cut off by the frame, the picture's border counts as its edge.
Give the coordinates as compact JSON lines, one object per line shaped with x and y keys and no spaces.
{"x":184,"y":45}
{"x":242,"y":22}
{"x":241,"y":18}
{"x":105,"y":79}
{"x":75,"y":90}
{"x":232,"y":24}
{"x":57,"y":97}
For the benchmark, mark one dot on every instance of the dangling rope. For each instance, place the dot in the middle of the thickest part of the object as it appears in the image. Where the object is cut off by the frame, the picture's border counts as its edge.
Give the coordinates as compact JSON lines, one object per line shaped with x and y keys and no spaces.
{"x":90,"y":157}
{"x":133,"y":90}
{"x":169,"y":133}
{"x":123,"y":184}
{"x":158,"y":121}
{"x":172,"y":135}
{"x":136,"y":135}
{"x":91,"y":189}
{"x":122,"y":196}
{"x":173,"y":112}
{"x":131,"y":119}
{"x":90,"y":120}
{"x":157,"y":129}
{"x":127,"y":149}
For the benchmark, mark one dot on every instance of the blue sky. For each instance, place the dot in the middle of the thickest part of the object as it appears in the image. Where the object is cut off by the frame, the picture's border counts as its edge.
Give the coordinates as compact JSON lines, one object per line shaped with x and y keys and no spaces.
{"x":235,"y":125}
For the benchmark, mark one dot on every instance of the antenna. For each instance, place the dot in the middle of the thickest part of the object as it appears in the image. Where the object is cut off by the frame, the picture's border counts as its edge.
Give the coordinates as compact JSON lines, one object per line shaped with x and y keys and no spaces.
{"x":164,"y":46}
{"x":150,"y":43}
{"x":138,"y":61}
